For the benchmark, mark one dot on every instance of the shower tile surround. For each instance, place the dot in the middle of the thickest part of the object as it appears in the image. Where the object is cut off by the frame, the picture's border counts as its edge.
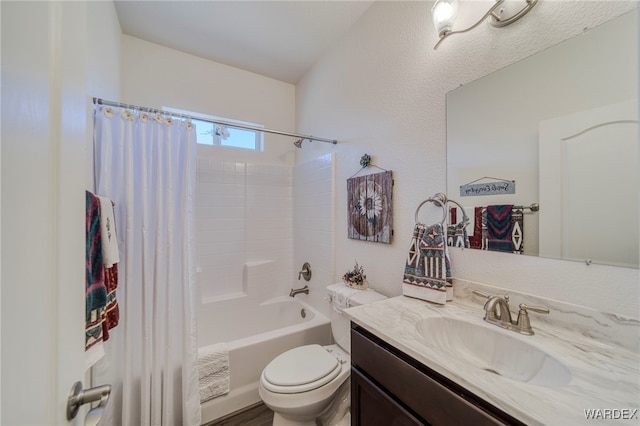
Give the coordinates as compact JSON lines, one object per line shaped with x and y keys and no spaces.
{"x":313,"y":224}
{"x":244,"y":215}
{"x":251,"y":206}
{"x":600,"y":349}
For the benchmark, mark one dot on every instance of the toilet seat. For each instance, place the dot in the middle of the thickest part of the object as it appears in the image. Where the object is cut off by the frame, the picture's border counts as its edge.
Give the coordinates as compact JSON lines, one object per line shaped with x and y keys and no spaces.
{"x":300,"y":369}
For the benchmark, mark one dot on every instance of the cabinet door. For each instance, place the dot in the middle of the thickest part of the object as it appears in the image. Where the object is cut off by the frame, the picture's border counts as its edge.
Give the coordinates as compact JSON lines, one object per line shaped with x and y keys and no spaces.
{"x":372,"y":407}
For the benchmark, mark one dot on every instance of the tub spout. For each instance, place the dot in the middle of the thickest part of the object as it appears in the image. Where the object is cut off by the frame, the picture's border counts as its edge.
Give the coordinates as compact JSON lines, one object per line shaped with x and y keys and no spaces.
{"x":295,"y":291}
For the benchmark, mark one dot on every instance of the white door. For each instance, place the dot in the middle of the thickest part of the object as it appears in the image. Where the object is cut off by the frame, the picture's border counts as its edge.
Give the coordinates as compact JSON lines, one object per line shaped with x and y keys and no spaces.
{"x":44,"y":135}
{"x":589,"y":185}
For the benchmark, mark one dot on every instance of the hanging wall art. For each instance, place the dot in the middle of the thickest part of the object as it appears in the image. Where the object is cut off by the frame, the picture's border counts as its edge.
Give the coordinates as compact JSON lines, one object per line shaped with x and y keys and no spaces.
{"x":369,"y":206}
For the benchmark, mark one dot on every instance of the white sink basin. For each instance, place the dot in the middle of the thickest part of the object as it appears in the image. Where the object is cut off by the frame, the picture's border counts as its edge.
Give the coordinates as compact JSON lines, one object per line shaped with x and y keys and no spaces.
{"x":494,"y":350}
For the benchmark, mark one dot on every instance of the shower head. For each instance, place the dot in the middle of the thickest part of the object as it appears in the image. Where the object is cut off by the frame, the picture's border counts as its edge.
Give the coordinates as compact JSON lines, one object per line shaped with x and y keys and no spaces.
{"x":298,"y":143}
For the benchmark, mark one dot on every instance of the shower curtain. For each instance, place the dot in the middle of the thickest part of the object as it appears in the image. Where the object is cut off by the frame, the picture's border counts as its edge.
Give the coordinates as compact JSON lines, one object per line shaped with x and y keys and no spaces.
{"x":145,"y":163}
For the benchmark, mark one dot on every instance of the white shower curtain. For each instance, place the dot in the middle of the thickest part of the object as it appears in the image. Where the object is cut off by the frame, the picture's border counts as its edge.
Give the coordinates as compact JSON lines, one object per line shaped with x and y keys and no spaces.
{"x":145,"y":163}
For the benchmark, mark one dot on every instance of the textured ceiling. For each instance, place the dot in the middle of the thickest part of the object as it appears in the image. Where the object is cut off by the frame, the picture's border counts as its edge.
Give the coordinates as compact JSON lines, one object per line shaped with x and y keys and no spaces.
{"x":277,"y":39}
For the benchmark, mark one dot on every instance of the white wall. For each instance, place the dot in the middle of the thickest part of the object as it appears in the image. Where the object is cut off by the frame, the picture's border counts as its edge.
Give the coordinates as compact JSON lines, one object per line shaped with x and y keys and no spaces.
{"x":103,"y":63}
{"x":382,"y":90}
{"x":155,"y":76}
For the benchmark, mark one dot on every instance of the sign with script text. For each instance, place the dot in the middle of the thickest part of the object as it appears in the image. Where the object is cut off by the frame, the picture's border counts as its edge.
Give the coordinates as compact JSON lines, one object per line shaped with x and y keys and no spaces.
{"x":489,"y":188}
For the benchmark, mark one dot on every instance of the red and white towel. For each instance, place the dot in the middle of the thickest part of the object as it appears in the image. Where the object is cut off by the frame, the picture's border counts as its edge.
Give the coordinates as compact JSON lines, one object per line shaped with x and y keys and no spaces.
{"x":102,"y":259}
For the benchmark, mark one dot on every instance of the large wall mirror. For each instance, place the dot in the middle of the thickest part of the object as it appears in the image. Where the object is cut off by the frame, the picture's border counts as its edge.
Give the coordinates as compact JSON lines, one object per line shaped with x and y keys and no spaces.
{"x":562,"y":128}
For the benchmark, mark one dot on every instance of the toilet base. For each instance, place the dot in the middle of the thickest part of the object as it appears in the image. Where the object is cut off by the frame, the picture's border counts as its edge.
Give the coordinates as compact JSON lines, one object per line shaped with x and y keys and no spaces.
{"x":337,"y":412}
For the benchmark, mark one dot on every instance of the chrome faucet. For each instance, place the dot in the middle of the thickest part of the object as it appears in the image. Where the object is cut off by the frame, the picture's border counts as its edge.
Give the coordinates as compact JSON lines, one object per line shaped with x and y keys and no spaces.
{"x":497,"y":312}
{"x":295,"y":291}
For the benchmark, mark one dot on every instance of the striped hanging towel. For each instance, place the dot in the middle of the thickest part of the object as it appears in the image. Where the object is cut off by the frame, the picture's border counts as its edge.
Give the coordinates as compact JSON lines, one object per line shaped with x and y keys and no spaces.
{"x":427,"y":269}
{"x":499,"y":228}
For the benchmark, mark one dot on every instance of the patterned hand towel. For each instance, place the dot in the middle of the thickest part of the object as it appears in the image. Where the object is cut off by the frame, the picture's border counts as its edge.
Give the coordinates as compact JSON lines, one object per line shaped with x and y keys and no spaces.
{"x":499,"y":228}
{"x":94,"y":344}
{"x":425,"y":273}
{"x":479,"y":228}
{"x":110,"y":259}
{"x":112,"y":310}
{"x":460,"y":237}
{"x":505,"y":229}
{"x":95,"y":290}
{"x":457,"y":235}
{"x":517,"y":232}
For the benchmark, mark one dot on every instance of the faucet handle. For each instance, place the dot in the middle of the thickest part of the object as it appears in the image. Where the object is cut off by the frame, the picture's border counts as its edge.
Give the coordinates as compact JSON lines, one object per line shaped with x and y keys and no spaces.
{"x":305,"y":272}
{"x":523,"y":324}
{"x":538,"y":309}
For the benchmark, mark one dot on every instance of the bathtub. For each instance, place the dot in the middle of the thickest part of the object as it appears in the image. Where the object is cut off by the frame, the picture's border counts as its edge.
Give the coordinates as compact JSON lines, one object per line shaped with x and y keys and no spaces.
{"x":255,"y":333}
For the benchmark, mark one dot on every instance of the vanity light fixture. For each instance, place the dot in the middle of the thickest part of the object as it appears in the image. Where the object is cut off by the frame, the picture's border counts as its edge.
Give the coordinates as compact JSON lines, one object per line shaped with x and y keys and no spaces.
{"x":444,"y":14}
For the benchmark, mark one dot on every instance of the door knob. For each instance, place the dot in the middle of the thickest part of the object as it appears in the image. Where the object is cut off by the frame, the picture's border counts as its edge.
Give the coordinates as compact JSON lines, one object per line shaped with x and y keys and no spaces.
{"x":79,"y":396}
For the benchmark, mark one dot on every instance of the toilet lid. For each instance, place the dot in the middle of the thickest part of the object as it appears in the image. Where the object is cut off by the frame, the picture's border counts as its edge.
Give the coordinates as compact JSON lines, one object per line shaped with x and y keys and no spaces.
{"x":300,"y":369}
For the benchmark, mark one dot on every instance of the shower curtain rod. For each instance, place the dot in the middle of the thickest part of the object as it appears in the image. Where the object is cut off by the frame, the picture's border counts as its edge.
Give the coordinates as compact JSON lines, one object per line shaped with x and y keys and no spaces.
{"x":99,"y":101}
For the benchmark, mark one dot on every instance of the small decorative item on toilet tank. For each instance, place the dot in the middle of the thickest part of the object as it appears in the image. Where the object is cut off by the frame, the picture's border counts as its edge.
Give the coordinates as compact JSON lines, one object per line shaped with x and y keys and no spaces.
{"x":356,"y":278}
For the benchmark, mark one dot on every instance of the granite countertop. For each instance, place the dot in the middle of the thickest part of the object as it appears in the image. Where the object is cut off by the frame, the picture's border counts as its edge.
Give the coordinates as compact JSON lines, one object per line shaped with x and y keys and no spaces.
{"x":603,"y":376}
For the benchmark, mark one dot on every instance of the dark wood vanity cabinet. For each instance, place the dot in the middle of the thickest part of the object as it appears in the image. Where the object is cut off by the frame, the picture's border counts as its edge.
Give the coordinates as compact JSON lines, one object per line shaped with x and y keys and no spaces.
{"x":389,"y":387}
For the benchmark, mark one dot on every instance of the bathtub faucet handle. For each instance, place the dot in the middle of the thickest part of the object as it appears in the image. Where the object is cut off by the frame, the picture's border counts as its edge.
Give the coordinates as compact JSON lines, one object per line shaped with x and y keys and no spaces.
{"x":305,"y":272}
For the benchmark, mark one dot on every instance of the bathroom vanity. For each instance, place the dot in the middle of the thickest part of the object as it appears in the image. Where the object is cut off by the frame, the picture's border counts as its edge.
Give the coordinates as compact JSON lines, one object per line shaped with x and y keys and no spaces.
{"x":418,"y":363}
{"x":389,"y":387}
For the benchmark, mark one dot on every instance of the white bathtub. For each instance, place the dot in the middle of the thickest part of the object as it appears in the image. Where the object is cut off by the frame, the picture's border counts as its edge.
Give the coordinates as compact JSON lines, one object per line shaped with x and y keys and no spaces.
{"x":255,"y":333}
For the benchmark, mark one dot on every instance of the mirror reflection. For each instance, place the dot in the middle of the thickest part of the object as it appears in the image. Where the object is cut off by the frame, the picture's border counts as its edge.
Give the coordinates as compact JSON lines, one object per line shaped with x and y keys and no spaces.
{"x":558,"y":129}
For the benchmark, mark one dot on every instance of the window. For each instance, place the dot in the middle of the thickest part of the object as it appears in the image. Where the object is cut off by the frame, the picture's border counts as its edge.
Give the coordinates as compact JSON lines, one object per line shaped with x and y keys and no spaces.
{"x":210,"y":133}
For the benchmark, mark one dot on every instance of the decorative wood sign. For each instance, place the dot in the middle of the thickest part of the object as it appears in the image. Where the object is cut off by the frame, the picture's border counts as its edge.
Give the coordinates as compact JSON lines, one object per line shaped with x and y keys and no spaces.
{"x":369,"y":207}
{"x":490,"y":188}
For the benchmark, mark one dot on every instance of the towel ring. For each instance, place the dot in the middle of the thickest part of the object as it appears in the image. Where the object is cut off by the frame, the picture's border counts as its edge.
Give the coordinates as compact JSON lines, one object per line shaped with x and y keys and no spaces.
{"x":438,"y":199}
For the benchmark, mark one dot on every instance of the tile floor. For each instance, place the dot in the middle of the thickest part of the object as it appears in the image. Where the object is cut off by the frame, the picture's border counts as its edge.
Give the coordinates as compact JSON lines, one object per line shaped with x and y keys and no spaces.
{"x":256,"y":415}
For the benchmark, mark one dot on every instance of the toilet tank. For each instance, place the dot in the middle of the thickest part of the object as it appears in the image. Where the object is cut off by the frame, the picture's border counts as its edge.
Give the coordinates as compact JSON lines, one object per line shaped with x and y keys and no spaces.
{"x":342,"y":297}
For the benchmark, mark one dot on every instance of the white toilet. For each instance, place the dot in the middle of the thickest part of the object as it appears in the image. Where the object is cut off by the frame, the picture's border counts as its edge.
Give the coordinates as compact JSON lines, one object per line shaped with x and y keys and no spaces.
{"x":301,"y":384}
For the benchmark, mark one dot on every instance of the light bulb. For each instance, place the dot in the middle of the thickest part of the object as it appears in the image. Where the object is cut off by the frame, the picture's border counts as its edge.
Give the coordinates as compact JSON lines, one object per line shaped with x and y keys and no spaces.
{"x":444,"y":14}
